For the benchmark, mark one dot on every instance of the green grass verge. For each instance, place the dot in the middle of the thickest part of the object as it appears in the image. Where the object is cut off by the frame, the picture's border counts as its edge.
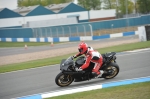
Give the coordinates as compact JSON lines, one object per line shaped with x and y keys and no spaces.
{"x":133,"y":91}
{"x":22,"y":44}
{"x":57,"y":60}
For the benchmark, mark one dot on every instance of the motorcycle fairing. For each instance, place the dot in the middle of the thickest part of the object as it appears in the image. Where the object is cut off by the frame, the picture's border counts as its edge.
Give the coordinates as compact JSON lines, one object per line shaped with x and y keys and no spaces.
{"x":66,"y":63}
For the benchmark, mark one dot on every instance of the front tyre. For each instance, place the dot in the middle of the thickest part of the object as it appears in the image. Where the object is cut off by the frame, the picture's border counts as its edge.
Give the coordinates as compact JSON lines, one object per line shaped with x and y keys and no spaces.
{"x":112,"y":71}
{"x":63,"y":79}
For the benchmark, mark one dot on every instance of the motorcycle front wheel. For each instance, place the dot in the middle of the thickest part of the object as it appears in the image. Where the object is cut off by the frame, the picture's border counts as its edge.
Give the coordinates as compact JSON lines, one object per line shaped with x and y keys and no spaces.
{"x":63,"y":79}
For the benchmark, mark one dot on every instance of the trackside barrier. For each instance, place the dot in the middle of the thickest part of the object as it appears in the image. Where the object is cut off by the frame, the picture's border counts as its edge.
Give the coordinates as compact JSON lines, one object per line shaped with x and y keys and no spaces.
{"x":65,"y":39}
{"x":86,"y":88}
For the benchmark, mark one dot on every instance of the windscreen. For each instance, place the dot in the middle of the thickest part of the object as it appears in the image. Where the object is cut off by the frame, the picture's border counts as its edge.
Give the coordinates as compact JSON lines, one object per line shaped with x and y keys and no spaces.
{"x":68,"y":61}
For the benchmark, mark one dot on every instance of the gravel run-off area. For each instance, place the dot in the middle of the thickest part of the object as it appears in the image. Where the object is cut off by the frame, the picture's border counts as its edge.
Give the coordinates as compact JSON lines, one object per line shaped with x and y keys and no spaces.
{"x":57,"y":52}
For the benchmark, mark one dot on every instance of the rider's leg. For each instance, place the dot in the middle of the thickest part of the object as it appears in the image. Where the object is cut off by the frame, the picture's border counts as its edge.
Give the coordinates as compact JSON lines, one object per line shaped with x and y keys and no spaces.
{"x":96,"y":68}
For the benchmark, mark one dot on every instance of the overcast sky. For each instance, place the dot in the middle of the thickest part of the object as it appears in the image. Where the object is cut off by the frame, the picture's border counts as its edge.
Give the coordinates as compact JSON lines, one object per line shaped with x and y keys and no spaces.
{"x":11,"y":4}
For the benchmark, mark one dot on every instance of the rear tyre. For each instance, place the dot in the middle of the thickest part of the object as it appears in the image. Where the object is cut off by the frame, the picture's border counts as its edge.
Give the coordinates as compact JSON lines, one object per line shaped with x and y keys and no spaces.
{"x":63,"y":79}
{"x":111,"y":71}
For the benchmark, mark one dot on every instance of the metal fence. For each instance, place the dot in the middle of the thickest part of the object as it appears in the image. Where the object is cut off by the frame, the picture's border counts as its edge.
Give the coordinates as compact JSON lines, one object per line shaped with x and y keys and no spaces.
{"x":71,"y":31}
{"x":81,"y":29}
{"x":63,"y":31}
{"x":114,"y":30}
{"x":89,"y":28}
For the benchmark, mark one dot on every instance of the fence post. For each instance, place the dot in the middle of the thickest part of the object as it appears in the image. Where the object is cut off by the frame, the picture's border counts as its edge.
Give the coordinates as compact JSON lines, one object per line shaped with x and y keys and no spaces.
{"x":57,"y":31}
{"x":40,"y":32}
{"x":45,"y":32}
{"x":84,"y":30}
{"x":50,"y":32}
{"x":112,"y":27}
{"x":77,"y":31}
{"x":69,"y":30}
{"x":91,"y":29}
{"x":36,"y":32}
{"x":62,"y":31}
{"x":33,"y":32}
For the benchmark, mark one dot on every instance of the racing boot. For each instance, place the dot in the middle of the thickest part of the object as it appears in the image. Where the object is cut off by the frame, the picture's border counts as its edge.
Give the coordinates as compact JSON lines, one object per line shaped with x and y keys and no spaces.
{"x":95,"y":75}
{"x":101,"y":73}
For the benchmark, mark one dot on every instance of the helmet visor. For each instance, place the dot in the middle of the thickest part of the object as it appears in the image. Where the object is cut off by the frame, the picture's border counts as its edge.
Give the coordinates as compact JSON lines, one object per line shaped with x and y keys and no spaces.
{"x":80,"y":50}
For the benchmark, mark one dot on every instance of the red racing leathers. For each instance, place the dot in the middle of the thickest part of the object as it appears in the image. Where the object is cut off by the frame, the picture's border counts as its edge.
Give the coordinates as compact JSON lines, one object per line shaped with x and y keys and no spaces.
{"x":94,"y":57}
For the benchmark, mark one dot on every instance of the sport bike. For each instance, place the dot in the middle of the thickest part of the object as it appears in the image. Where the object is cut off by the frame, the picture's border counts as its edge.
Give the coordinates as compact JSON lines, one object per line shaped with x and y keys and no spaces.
{"x":69,"y":74}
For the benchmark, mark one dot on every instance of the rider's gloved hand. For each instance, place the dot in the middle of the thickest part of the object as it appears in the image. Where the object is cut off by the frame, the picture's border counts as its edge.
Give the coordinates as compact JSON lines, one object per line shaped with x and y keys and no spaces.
{"x":73,"y":57}
{"x":79,"y":69}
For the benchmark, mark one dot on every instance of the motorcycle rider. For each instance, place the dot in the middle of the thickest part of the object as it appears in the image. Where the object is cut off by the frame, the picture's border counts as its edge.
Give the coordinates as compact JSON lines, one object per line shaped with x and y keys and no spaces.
{"x":91,"y":56}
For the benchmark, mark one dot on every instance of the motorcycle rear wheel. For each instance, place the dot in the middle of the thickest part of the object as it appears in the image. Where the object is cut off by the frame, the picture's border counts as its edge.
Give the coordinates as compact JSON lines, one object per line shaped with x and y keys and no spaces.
{"x":63,"y":80}
{"x":114,"y":70}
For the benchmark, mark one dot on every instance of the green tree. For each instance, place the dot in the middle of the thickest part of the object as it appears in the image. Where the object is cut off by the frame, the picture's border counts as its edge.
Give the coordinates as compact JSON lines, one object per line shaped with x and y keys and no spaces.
{"x":44,"y":3}
{"x":119,"y":5}
{"x":84,"y":3}
{"x":40,"y":2}
{"x":110,"y":4}
{"x":25,"y":3}
{"x":19,"y":3}
{"x":130,"y":7}
{"x":143,"y":6}
{"x":123,"y":6}
{"x":90,"y":4}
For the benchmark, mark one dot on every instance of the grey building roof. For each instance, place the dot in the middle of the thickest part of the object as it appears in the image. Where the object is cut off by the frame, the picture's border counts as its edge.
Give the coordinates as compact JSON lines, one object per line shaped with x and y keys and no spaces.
{"x":57,"y":7}
{"x":53,"y":7}
{"x":1,"y":9}
{"x":25,"y":10}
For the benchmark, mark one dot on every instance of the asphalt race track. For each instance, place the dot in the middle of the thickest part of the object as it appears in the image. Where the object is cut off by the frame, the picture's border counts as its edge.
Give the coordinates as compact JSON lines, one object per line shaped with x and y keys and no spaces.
{"x":40,"y":80}
{"x":33,"y":81}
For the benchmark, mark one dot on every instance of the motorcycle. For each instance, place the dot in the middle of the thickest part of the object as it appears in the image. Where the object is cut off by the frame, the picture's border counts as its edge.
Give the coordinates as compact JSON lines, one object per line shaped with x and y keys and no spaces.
{"x":69,"y":74}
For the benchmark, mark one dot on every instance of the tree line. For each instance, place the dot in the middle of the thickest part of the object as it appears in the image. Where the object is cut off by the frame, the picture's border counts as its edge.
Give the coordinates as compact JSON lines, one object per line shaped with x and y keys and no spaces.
{"x":26,"y":3}
{"x":121,"y":6}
